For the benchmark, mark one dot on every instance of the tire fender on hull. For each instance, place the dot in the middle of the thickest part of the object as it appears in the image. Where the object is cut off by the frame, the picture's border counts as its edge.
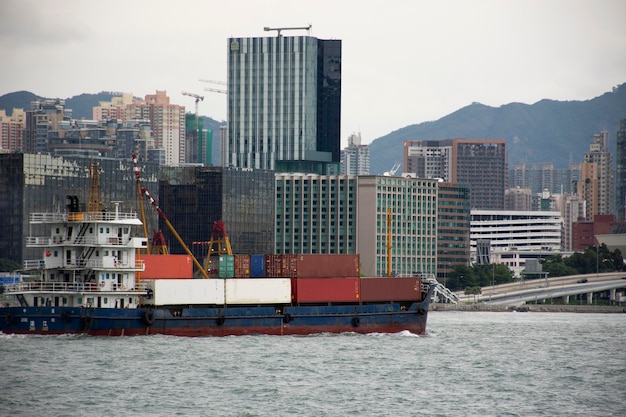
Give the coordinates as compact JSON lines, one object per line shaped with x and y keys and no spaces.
{"x":148,"y":317}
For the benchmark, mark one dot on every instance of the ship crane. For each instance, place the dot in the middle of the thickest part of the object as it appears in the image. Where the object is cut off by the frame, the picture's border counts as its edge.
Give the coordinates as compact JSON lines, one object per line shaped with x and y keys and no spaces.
{"x":174,"y":232}
{"x":278,"y":30}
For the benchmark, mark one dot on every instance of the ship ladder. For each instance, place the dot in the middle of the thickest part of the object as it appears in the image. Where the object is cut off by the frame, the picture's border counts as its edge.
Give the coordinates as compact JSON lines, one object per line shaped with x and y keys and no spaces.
{"x":446,"y":294}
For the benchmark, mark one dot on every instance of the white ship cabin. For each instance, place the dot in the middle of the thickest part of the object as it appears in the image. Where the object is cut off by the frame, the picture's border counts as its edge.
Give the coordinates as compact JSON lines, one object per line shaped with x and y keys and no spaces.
{"x":89,"y":260}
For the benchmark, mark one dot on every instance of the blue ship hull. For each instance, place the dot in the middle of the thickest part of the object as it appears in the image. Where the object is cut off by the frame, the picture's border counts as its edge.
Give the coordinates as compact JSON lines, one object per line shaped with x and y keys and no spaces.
{"x":270,"y":320}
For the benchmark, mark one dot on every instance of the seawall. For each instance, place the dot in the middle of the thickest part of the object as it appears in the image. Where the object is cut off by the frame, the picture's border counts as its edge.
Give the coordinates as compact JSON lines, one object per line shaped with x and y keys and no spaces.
{"x":554,"y":308}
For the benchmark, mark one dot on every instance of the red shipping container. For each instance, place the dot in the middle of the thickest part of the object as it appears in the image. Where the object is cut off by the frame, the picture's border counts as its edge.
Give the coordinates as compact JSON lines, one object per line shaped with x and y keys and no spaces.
{"x":322,"y":290}
{"x":273,"y":265}
{"x":166,"y":266}
{"x":391,"y":289}
{"x":242,"y":266}
{"x":327,"y":265}
{"x":289,"y":265}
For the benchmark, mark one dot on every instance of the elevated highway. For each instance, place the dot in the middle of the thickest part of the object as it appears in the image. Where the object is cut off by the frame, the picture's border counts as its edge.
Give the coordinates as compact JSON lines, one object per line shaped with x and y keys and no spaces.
{"x":544,"y":289}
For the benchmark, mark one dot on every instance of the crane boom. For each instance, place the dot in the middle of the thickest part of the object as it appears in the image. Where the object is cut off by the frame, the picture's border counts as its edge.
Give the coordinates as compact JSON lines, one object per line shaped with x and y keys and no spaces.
{"x":278,"y":30}
{"x":174,"y":232}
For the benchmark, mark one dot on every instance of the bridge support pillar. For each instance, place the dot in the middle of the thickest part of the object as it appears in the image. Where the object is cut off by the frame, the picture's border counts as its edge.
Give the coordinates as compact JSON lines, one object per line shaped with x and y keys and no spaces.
{"x":612,"y":292}
{"x":589,"y":298}
{"x":566,"y":299}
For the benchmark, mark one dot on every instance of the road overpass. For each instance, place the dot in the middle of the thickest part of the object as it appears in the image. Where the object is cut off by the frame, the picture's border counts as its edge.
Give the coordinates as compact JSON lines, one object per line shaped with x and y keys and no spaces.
{"x":560,"y":287}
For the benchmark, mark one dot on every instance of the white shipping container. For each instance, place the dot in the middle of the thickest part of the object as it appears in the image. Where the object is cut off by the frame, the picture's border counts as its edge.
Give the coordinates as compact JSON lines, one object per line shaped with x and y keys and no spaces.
{"x":258,"y":290}
{"x":186,"y":291}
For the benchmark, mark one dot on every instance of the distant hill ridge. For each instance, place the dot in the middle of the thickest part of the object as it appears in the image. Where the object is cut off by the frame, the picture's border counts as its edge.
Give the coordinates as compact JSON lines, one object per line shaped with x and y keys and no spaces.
{"x":548,"y":131}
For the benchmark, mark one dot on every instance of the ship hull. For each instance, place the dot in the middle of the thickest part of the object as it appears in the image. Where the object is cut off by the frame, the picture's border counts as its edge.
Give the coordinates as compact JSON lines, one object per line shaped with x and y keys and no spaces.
{"x":227,"y":321}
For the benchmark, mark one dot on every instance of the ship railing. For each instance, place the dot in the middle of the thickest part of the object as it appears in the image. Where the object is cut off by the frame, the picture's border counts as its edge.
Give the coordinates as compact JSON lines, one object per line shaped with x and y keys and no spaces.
{"x":61,"y":287}
{"x":138,"y":266}
{"x":84,"y":216}
{"x":39,"y":241}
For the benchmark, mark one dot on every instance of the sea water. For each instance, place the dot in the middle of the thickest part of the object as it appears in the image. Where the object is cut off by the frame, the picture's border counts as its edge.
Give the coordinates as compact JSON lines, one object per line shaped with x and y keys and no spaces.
{"x":469,"y":364}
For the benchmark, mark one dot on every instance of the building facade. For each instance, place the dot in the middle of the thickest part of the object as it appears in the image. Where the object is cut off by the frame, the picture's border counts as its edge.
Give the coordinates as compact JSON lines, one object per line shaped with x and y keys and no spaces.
{"x":284,"y":104}
{"x":541,"y":177}
{"x":518,"y":199}
{"x":196,"y":197}
{"x":167,"y":122}
{"x":453,"y":228}
{"x":42,"y":182}
{"x":43,"y":116}
{"x":516,"y":230}
{"x":316,"y":213}
{"x":355,"y":158}
{"x":601,"y":176}
{"x":479,"y":163}
{"x":11,"y":130}
{"x":397,"y":225}
{"x":620,"y":173}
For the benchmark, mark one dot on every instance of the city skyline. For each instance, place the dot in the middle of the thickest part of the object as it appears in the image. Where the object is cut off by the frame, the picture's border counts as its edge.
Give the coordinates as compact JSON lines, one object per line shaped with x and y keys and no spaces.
{"x":417,"y":61}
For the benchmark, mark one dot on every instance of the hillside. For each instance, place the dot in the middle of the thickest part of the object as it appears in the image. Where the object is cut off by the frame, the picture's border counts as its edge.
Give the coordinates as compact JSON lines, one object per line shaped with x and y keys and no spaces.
{"x":548,"y":131}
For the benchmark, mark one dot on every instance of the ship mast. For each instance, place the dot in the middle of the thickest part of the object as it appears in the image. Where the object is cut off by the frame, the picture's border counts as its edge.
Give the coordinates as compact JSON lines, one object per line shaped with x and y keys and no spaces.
{"x":94,"y":205}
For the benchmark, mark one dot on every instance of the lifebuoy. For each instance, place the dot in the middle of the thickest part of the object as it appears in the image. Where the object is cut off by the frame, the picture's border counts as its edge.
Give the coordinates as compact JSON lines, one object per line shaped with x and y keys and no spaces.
{"x":356,"y":322}
{"x":287,"y":318}
{"x":148,"y":316}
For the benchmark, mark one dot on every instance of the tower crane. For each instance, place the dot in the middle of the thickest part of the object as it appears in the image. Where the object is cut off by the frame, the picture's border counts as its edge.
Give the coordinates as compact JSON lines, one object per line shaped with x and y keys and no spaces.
{"x":215,"y":90}
{"x":198,"y":98}
{"x":278,"y":30}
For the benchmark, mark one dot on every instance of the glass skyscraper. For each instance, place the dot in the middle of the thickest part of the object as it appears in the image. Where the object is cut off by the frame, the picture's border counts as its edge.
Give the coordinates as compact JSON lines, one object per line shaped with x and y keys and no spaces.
{"x":284,"y":104}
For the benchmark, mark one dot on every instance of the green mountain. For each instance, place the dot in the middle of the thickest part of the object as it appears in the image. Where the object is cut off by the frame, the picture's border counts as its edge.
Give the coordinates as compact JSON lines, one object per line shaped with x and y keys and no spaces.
{"x":548,"y":131}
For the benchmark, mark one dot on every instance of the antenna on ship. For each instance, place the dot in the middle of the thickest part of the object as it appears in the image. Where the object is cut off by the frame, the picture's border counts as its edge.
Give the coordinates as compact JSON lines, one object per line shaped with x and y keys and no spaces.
{"x":140,"y":196}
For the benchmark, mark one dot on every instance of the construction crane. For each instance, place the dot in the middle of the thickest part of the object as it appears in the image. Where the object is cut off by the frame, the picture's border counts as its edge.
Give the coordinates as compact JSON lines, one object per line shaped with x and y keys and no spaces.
{"x":174,"y":232}
{"x":278,"y":30}
{"x":215,"y":90}
{"x":198,"y":99}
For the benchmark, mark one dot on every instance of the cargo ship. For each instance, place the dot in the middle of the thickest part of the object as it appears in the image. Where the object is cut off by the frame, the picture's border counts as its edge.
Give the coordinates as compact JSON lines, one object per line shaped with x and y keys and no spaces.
{"x":95,"y":277}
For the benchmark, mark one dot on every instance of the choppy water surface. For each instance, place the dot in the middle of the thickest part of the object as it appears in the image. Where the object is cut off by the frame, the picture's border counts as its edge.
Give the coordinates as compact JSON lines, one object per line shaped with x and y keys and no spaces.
{"x":470,"y":364}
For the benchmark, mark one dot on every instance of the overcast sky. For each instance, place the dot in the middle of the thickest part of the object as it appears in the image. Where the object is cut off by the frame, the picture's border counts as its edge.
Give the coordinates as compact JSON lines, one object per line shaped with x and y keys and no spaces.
{"x":404,"y":62}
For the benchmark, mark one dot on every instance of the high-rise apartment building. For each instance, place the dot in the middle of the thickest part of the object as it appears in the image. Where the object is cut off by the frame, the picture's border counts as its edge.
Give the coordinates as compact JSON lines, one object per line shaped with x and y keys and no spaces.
{"x":114,"y":109}
{"x":167,"y":122}
{"x":479,"y":163}
{"x":11,"y":130}
{"x":43,"y":116}
{"x":518,"y":199}
{"x":620,"y":173}
{"x":284,"y":104}
{"x":541,"y":177}
{"x":355,"y":159}
{"x":600,"y":156}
